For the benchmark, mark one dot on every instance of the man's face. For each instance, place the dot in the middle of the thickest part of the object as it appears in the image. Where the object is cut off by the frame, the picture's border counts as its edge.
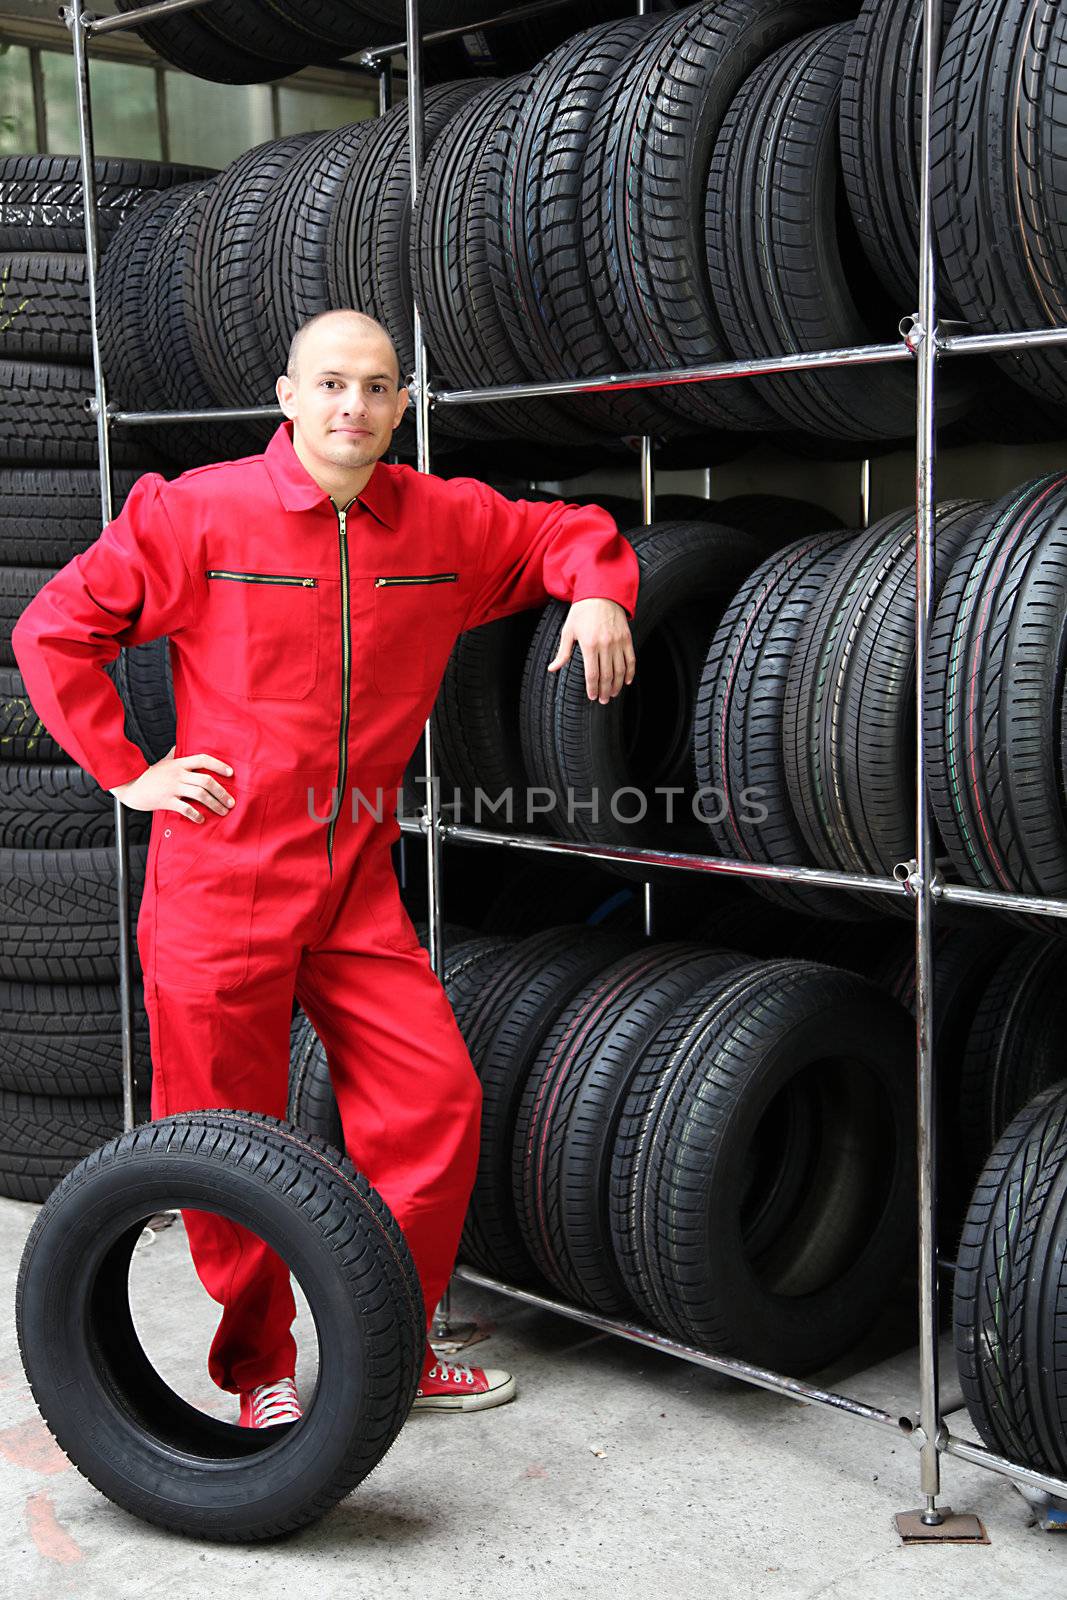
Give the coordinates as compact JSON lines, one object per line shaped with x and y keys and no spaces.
{"x":345,"y":401}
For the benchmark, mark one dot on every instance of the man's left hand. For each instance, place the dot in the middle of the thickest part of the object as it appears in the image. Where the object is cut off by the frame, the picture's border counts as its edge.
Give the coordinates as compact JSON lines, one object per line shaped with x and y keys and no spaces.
{"x":602,"y":629}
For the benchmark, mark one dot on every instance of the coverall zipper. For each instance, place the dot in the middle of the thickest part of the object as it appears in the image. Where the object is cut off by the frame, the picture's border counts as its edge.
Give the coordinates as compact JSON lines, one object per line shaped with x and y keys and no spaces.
{"x":346,"y":676}
{"x":429,"y":577}
{"x":264,"y":577}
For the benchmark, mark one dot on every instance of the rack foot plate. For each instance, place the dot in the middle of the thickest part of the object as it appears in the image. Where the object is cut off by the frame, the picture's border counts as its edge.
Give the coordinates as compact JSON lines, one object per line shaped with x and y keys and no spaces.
{"x":954,"y":1528}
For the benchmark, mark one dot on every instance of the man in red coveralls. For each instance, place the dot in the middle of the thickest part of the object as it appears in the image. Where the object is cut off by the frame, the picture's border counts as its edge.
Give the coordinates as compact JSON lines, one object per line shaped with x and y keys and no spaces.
{"x":311,"y":596}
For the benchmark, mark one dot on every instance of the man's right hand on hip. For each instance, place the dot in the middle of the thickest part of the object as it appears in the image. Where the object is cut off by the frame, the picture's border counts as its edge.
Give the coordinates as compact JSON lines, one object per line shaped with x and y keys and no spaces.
{"x":171,"y":783}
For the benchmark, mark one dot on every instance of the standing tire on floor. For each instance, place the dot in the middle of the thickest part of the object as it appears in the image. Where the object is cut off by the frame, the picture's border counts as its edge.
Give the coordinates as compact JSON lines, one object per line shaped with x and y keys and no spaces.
{"x":113,"y":1415}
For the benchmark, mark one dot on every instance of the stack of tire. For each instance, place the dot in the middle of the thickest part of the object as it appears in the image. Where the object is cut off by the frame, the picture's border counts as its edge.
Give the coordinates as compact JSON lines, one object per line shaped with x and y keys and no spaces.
{"x":60,"y":1052}
{"x":712,"y":1146}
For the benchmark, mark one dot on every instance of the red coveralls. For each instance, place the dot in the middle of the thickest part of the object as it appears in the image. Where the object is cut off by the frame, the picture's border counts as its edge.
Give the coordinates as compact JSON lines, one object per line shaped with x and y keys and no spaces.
{"x":307,"y":647}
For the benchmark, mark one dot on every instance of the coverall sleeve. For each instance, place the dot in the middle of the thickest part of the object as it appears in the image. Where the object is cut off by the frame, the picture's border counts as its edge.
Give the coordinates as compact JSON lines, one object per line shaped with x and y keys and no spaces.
{"x":130,"y":586}
{"x":534,"y":551}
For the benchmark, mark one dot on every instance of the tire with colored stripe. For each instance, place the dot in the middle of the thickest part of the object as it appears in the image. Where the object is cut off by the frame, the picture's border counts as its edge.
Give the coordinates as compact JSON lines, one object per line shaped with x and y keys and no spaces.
{"x":994,"y":697}
{"x":762,"y":1190}
{"x":1011,"y":1290}
{"x":570,"y":1109}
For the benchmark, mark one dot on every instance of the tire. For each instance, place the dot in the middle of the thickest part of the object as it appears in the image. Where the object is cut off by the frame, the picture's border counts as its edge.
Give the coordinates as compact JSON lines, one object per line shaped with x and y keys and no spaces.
{"x":451,"y":277}
{"x":18,"y":585}
{"x":476,"y":721}
{"x":65,"y":1039}
{"x":786,"y":269}
{"x":107,"y":1407}
{"x":43,"y":420}
{"x":998,"y":179}
{"x":504,"y":1019}
{"x":143,"y":679}
{"x":994,"y":697}
{"x":41,"y":198}
{"x":43,"y":1136}
{"x":848,"y":719}
{"x":58,"y":914}
{"x":1009,"y":1292}
{"x":44,"y":307}
{"x":533,"y":231}
{"x":58,"y":808}
{"x":569,"y":1114}
{"x":738,"y":722}
{"x":188,"y":41}
{"x":579,"y":750}
{"x":224,"y":319}
{"x":49,"y":514}
{"x":881,"y":95}
{"x":762,"y":1186}
{"x":23,"y":736}
{"x":646,"y":167}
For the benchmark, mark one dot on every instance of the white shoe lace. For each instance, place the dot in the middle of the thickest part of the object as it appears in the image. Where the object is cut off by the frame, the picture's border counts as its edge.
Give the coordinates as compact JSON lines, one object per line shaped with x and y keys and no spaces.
{"x":275,"y":1402}
{"x":459,"y":1372}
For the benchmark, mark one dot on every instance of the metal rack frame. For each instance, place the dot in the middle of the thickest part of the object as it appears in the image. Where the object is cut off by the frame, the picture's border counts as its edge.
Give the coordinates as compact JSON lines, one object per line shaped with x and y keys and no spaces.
{"x":922,"y":341}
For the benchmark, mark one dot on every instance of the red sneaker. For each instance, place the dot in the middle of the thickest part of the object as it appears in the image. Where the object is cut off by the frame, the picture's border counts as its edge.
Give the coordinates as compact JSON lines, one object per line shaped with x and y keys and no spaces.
{"x":270,"y":1404}
{"x":453,"y":1386}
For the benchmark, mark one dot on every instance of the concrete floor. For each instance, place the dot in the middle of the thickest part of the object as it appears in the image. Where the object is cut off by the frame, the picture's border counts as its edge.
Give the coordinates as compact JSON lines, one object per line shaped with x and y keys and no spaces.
{"x":616,"y":1472}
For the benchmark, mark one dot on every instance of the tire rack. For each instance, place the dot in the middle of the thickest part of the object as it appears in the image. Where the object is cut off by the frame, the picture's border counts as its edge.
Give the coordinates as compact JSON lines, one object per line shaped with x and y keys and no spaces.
{"x":921,"y":341}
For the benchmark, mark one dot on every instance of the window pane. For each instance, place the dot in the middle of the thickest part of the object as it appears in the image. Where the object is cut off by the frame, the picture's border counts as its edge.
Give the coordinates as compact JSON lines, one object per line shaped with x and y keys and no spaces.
{"x":18,"y":134}
{"x":301,"y":110}
{"x":125,"y":118}
{"x":212,"y":123}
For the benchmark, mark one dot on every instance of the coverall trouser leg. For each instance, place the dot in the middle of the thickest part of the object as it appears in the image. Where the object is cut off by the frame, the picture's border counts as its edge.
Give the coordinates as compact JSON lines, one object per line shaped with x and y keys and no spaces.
{"x":408,"y":1095}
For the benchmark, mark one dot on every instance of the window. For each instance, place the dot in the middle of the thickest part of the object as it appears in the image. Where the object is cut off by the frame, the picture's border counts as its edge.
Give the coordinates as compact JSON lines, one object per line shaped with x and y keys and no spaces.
{"x":125,"y":109}
{"x":212,"y":123}
{"x":18,"y":129}
{"x":303,"y":110}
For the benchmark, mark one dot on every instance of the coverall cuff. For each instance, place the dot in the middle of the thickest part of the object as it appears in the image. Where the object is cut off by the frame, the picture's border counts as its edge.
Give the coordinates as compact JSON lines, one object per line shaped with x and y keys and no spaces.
{"x":122,"y":770}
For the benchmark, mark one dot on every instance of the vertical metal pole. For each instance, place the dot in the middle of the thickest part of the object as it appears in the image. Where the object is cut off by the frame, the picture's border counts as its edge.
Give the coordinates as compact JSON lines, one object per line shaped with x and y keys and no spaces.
{"x":442,"y":1315}
{"x":865,"y":492}
{"x":929,"y":1408}
{"x":72,"y":16}
{"x":648,"y":515}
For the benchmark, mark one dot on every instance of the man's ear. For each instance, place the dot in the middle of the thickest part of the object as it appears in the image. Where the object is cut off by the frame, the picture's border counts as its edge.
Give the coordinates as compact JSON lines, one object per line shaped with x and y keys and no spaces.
{"x":402,"y":398}
{"x":286,"y":394}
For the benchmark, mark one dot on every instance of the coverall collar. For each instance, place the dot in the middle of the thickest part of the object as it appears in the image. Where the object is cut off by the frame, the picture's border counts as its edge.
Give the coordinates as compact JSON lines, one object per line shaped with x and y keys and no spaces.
{"x":298,"y":491}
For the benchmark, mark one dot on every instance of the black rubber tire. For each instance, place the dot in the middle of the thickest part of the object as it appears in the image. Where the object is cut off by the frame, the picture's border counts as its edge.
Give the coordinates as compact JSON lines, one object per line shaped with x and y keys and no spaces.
{"x":737,"y":726}
{"x":50,"y":514}
{"x":58,"y":808}
{"x":994,"y":697}
{"x":64,"y":1039}
{"x":23,"y":736}
{"x":533,"y":234}
{"x":224,"y":323}
{"x":576,"y":748}
{"x":143,"y":679}
{"x":451,"y":278}
{"x":43,"y":1136}
{"x":787,"y":271}
{"x":999,"y":182}
{"x":880,"y":135}
{"x":476,"y":722}
{"x":110,"y":1411}
{"x":569,"y":1113}
{"x":646,"y":167}
{"x":848,"y":715}
{"x":1014,"y":1047}
{"x":268,"y":31}
{"x":505,"y":1015}
{"x":44,"y":307}
{"x":41,"y":198}
{"x":58,"y":914}
{"x":188,"y":41}
{"x":1010,"y":1288}
{"x":18,"y":585}
{"x":780,"y":1076}
{"x":43,"y":420}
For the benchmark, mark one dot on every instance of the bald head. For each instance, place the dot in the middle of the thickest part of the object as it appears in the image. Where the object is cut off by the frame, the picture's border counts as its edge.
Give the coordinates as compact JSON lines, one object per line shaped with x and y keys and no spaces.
{"x":346,"y":324}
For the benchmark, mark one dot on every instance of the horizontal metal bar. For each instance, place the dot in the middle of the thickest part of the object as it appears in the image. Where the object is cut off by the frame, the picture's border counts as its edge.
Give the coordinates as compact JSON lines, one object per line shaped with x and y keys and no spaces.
{"x":977,"y":344}
{"x":805,"y":361}
{"x":134,"y":19}
{"x":979,"y":1456}
{"x":380,"y":52}
{"x":997,"y":899}
{"x":760,"y":1376}
{"x":134,"y":419}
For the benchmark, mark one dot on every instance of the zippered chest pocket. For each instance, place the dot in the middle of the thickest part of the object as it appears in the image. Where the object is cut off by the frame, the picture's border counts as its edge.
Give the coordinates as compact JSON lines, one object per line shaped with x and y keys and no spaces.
{"x":265,"y":633}
{"x":416,"y":617}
